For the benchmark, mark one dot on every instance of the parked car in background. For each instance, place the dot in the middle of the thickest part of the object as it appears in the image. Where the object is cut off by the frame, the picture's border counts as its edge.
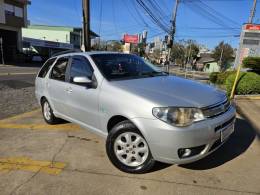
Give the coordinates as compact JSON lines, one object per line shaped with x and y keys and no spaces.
{"x":145,"y":114}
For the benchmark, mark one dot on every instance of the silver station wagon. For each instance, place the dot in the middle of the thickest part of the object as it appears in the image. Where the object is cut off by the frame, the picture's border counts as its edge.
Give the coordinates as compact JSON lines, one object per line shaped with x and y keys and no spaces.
{"x":145,"y":114}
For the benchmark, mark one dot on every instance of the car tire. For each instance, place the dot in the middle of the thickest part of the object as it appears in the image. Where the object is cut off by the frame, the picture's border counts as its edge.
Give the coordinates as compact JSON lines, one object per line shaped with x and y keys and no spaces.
{"x":47,"y":113}
{"x":128,"y":150}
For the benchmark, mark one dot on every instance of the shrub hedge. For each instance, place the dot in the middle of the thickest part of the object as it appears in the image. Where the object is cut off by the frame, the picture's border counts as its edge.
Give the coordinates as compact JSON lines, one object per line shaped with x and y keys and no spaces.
{"x":220,"y":77}
{"x":248,"y":83}
{"x":252,"y":62}
{"x":213,"y":77}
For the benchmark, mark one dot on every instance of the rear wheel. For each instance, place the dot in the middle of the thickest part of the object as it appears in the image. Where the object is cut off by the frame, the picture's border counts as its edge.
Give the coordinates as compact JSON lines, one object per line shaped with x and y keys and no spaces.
{"x":128,"y":150}
{"x":47,"y":113}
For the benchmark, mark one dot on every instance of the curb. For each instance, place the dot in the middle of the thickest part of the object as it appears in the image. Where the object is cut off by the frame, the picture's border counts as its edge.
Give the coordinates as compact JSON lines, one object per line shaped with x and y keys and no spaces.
{"x":247,"y":97}
{"x":18,"y":73}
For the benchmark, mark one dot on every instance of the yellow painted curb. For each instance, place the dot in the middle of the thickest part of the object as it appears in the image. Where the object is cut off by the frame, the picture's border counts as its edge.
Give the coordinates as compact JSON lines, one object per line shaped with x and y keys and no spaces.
{"x":11,"y":123}
{"x":46,"y":127}
{"x":247,"y":97}
{"x":23,"y":115}
{"x":27,"y":164}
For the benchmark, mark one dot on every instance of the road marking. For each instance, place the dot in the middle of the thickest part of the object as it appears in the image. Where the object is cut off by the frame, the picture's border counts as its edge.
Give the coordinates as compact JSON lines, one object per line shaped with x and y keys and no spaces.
{"x":27,"y":164}
{"x":17,"y":73}
{"x":46,"y":127}
{"x":20,"y":116}
{"x":13,"y":123}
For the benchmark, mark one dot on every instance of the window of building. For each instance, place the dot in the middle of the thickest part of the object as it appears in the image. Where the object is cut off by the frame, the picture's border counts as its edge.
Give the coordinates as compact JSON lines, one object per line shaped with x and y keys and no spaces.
{"x":13,"y":10}
{"x":18,"y":11}
{"x":9,"y":9}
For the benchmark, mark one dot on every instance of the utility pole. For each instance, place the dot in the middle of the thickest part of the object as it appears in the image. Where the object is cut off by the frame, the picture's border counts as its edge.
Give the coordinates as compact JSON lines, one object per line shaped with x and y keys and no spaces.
{"x":252,"y":13}
{"x":2,"y":51}
{"x":250,"y":21}
{"x":221,"y":56}
{"x":173,"y":30}
{"x":86,"y":25}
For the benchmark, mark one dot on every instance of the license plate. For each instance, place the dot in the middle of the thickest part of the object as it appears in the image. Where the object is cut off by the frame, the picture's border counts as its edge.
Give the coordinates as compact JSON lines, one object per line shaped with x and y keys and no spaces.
{"x":225,"y":133}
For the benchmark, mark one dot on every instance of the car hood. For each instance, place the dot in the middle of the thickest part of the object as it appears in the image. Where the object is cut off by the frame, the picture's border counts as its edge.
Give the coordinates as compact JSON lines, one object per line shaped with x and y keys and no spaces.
{"x":172,"y":91}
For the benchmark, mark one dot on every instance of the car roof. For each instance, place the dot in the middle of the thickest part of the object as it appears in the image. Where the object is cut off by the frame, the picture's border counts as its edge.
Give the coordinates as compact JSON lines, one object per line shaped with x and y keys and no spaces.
{"x":87,"y":53}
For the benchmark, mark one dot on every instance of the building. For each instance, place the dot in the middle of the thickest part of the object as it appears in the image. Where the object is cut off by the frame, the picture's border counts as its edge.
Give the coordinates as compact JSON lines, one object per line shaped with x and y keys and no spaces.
{"x":13,"y":16}
{"x":47,"y":40}
{"x":249,"y":42}
{"x":206,"y":63}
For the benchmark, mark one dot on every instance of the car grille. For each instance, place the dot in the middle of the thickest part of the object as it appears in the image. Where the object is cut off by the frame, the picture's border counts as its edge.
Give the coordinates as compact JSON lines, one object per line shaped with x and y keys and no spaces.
{"x":225,"y":124}
{"x":216,"y":109}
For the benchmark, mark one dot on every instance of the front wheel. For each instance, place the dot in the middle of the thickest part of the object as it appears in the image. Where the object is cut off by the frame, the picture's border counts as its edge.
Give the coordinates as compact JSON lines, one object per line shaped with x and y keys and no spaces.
{"x":128,"y":150}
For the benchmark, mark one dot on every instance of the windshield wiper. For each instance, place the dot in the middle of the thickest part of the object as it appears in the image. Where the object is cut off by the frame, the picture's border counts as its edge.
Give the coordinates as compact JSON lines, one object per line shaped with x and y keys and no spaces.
{"x":154,"y":73}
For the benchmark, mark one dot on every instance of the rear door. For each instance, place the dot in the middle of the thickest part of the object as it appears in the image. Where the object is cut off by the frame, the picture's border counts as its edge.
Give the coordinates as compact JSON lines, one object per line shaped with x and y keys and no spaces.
{"x":41,"y":79}
{"x":82,"y":99}
{"x":57,"y":85}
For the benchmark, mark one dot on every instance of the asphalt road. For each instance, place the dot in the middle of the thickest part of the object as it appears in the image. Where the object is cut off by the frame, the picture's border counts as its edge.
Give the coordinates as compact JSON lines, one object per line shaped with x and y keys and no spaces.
{"x":17,"y":90}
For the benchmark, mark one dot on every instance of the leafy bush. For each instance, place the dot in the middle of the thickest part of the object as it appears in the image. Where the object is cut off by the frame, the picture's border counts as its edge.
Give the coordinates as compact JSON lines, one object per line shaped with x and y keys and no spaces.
{"x":252,"y":63}
{"x":248,"y":83}
{"x":219,"y":77}
{"x":223,"y":76}
{"x":213,"y":77}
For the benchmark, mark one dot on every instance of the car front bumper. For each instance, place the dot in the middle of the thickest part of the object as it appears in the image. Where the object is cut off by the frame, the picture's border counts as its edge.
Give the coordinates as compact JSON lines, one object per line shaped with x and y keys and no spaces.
{"x":165,"y":140}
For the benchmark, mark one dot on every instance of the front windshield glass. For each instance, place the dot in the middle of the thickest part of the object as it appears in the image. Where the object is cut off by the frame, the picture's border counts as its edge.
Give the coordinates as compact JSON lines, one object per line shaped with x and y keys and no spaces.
{"x":125,"y":66}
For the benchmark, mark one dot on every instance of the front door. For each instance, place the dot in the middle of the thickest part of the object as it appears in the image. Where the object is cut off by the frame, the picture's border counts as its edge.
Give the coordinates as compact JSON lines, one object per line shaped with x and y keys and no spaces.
{"x":82,"y":99}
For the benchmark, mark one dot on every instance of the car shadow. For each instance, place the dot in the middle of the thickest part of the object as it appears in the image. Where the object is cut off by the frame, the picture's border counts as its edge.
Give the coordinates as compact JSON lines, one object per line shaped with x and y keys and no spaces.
{"x":238,"y":143}
{"x":159,"y":166}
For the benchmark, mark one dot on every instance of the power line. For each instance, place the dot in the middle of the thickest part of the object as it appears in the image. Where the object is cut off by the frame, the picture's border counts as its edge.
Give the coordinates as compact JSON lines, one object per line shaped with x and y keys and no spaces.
{"x":100,"y":17}
{"x":219,"y":14}
{"x":208,"y":15}
{"x":152,"y":16}
{"x":114,"y":17}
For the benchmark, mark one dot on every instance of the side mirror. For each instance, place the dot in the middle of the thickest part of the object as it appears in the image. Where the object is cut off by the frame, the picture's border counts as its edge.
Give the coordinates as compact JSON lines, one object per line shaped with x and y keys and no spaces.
{"x":82,"y":80}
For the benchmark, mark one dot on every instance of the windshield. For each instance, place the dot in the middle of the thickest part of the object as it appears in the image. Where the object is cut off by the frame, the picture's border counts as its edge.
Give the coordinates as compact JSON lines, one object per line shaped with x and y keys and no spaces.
{"x":125,"y":66}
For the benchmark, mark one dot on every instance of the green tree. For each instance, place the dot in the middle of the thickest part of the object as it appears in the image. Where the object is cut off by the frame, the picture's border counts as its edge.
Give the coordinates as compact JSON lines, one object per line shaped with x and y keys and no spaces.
{"x":223,"y":53}
{"x":178,"y":53}
{"x":184,"y":51}
{"x":114,"y":46}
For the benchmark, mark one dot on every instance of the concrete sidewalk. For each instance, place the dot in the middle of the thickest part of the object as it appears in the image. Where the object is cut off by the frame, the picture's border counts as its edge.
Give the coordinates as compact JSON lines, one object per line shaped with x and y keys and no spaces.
{"x":36,"y":158}
{"x":250,"y":109}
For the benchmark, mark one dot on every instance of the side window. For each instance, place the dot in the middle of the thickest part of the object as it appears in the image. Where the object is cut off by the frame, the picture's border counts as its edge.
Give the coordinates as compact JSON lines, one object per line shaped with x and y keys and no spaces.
{"x":59,"y":69}
{"x":46,"y":67}
{"x":80,"y":67}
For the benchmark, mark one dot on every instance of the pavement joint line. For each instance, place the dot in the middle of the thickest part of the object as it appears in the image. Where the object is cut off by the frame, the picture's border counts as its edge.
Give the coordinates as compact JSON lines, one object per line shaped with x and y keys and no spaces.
{"x":59,"y":151}
{"x":27,"y":181}
{"x":158,"y":180}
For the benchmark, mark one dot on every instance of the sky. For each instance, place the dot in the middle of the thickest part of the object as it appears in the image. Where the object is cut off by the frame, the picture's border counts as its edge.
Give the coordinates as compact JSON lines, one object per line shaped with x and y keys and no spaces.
{"x":206,"y":21}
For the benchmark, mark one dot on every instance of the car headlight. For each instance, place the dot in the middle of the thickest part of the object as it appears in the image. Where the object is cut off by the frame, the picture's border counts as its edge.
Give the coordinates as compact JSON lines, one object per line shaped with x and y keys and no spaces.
{"x":178,"y":116}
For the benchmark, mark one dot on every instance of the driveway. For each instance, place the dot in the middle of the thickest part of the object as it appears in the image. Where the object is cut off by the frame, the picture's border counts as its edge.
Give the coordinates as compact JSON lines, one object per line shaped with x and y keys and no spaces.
{"x":36,"y":158}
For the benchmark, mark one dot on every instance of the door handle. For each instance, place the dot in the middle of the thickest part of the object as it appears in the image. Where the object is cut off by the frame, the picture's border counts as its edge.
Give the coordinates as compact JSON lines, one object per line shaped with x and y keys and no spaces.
{"x":69,"y":90}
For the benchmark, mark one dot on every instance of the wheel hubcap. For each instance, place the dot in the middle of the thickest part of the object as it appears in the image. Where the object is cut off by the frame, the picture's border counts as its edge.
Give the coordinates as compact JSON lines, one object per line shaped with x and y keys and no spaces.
{"x":131,"y":149}
{"x":47,"y":110}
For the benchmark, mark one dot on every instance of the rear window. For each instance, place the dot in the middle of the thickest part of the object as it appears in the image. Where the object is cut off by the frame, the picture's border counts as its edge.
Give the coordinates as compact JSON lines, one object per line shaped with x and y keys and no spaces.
{"x":46,"y":68}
